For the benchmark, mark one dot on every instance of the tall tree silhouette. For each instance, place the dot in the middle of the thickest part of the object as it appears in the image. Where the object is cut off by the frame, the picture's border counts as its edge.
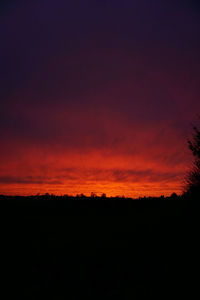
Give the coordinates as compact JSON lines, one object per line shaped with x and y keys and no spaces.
{"x":193,"y":176}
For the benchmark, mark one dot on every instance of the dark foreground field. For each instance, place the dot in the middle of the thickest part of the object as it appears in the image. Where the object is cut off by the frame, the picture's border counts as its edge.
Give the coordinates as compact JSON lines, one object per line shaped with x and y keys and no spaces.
{"x":63,"y":248}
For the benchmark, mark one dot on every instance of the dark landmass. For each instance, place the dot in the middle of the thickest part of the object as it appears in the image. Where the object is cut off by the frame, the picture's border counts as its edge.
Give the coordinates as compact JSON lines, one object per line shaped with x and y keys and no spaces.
{"x":98,"y":248}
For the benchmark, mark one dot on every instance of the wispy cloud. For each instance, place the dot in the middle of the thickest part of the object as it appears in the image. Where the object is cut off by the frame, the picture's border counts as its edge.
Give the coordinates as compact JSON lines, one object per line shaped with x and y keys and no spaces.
{"x":99,"y":91}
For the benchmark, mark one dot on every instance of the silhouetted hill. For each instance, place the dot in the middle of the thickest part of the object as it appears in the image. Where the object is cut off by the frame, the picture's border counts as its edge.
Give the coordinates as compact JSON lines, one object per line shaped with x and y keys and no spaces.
{"x":67,"y":247}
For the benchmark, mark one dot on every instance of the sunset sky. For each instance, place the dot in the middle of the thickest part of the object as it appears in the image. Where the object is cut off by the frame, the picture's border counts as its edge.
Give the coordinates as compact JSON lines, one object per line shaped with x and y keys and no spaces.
{"x":97,"y":96}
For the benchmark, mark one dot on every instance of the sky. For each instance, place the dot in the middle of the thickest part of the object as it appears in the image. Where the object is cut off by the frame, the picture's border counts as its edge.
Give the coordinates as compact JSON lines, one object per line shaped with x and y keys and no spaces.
{"x":97,"y":96}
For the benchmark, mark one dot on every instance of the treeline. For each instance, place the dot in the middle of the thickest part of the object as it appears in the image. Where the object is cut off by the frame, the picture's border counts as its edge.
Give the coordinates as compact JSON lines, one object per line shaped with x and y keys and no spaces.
{"x":93,"y":196}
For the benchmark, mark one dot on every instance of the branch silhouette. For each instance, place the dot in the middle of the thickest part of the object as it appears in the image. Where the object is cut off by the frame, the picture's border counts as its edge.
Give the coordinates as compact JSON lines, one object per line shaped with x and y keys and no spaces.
{"x":192,"y":179}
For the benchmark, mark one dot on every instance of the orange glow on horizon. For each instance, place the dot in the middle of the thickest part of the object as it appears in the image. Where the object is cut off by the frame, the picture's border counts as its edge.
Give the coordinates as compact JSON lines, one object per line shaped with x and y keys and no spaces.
{"x":110,"y":189}
{"x":96,"y":171}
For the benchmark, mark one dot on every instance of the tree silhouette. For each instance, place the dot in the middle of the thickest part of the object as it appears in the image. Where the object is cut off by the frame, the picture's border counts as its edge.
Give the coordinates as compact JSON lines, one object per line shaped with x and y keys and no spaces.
{"x":193,"y":176}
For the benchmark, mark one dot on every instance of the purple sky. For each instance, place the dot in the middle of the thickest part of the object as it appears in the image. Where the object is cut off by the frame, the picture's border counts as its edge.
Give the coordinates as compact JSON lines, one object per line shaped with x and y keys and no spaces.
{"x":97,"y":96}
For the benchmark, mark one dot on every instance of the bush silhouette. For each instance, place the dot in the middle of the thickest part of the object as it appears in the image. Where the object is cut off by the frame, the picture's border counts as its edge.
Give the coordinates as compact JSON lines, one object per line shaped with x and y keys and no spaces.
{"x":192,"y":179}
